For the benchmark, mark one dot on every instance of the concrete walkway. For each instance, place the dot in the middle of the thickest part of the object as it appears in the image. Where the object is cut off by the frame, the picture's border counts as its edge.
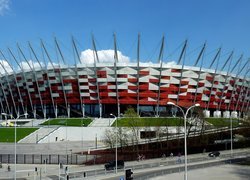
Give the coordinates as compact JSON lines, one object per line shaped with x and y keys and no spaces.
{"x":102,"y":122}
{"x":34,"y":122}
{"x":217,"y":172}
{"x":39,"y":134}
{"x":223,"y":172}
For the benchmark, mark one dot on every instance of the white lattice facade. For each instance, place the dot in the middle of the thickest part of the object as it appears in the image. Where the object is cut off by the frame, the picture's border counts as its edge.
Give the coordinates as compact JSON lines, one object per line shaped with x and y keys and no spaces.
{"x":97,"y":88}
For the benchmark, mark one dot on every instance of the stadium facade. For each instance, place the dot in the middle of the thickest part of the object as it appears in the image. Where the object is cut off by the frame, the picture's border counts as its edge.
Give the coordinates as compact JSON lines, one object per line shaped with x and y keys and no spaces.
{"x":99,"y":89}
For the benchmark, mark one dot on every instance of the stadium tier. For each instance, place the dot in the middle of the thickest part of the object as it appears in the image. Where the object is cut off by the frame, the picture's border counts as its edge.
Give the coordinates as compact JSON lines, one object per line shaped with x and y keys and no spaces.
{"x":111,"y":87}
{"x":98,"y":88}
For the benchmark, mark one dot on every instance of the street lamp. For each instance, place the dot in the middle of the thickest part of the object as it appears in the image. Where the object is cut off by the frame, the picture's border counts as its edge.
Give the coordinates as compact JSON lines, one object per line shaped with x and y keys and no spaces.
{"x":82,"y":136}
{"x":185,"y":132}
{"x":231,"y":134}
{"x":15,"y":119}
{"x":115,"y":142}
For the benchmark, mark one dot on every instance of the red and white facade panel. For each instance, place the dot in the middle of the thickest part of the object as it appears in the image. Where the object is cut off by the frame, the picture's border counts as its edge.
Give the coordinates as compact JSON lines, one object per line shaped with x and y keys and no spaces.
{"x":126,"y":84}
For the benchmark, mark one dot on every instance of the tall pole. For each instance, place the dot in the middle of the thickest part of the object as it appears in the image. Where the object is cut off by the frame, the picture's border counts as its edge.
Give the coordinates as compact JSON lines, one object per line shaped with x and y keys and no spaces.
{"x":185,"y":133}
{"x":82,"y":135}
{"x":115,"y":142}
{"x":15,"y":124}
{"x":231,"y":134}
{"x":15,"y":148}
{"x":116,"y":146}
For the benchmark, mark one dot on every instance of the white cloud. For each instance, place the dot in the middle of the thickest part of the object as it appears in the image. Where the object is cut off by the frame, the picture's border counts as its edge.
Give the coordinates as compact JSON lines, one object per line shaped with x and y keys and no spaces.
{"x":150,"y":63}
{"x":4,"y":6}
{"x":6,"y":67}
{"x":33,"y":64}
{"x":87,"y":56}
{"x":171,"y":63}
{"x":53,"y":65}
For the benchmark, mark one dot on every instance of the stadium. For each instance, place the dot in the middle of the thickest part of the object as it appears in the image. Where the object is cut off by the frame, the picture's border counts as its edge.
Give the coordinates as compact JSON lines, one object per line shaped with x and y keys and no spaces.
{"x":99,"y":88}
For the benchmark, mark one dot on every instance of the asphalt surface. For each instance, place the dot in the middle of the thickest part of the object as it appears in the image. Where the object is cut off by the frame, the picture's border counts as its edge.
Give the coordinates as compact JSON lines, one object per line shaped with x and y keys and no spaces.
{"x":64,"y":147}
{"x":222,"y":172}
{"x":140,"y":169}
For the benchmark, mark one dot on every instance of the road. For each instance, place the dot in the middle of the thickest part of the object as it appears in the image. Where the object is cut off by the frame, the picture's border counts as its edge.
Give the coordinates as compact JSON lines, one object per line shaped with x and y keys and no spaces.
{"x":222,"y":172}
{"x":47,"y":148}
{"x":142,"y":169}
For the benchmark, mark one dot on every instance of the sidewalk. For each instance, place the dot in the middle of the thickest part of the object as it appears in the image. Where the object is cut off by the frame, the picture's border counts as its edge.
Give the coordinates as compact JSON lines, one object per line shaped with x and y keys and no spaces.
{"x":223,"y":172}
{"x":45,"y":170}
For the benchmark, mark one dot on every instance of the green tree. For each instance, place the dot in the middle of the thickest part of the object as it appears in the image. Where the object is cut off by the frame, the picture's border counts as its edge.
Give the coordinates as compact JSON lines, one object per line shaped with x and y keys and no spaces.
{"x":133,"y":125}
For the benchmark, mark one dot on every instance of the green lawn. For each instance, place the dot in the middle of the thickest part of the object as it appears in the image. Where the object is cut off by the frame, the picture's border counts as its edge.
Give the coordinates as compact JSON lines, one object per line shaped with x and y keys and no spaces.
{"x":69,"y":122}
{"x":145,"y":122}
{"x":222,"y":122}
{"x":7,"y":134}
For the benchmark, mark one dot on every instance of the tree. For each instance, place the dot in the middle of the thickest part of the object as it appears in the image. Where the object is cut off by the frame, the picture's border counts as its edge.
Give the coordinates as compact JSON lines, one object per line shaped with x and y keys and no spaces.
{"x":133,"y":125}
{"x":122,"y":137}
{"x":130,"y":113}
{"x":109,"y":139}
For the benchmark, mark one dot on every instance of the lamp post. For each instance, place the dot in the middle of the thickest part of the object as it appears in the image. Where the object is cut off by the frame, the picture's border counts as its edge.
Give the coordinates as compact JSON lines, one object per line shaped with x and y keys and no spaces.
{"x":185,"y":132}
{"x":15,"y":119}
{"x":231,"y":134}
{"x":82,"y":136}
{"x":115,"y":142}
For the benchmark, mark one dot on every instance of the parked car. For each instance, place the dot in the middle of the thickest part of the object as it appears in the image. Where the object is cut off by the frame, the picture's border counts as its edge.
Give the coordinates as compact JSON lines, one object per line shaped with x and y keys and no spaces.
{"x":214,"y":154}
{"x":111,"y":165}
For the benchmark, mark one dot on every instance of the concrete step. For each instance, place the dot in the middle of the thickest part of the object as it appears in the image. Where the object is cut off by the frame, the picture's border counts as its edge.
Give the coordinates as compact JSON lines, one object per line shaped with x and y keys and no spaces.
{"x":34,"y":122}
{"x":102,"y":122}
{"x":36,"y":136}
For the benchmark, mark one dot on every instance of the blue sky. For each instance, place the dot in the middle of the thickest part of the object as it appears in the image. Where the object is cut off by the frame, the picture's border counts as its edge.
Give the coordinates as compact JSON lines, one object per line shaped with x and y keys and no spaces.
{"x":223,"y":23}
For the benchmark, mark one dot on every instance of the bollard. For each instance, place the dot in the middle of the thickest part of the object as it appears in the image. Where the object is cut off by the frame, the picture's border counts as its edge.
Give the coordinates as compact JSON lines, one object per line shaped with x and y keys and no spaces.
{"x":61,"y":166}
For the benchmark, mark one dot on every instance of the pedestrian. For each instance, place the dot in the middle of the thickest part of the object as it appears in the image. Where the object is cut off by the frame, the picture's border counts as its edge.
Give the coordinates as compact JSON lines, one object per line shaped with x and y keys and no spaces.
{"x":204,"y":150}
{"x":179,"y":158}
{"x":138,"y":157}
{"x":179,"y":154}
{"x":171,"y":155}
{"x":163,"y":156}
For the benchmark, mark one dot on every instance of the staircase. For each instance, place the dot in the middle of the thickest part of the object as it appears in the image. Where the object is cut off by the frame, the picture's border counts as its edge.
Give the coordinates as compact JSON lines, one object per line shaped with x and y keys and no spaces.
{"x":39,"y":134}
{"x":102,"y":122}
{"x":34,"y":122}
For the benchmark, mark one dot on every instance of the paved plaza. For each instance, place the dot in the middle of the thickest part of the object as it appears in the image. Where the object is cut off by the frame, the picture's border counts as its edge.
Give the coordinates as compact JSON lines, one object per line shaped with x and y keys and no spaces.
{"x":215,"y":172}
{"x":222,"y":172}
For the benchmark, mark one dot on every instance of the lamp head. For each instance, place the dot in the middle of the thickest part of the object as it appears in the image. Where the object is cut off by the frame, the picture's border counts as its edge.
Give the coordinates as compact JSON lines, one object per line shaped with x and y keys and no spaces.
{"x":25,"y":114}
{"x":112,"y":115}
{"x":197,"y":105}
{"x":5,"y":114}
{"x":170,"y":103}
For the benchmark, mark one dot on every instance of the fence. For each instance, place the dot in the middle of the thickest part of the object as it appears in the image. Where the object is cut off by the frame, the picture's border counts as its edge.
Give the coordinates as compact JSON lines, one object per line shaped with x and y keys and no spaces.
{"x":44,"y":158}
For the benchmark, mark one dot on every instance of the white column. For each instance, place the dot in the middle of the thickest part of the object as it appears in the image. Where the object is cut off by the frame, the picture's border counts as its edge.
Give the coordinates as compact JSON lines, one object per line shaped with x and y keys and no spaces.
{"x":34,"y":112}
{"x":206,"y":113}
{"x":56,"y":110}
{"x":83,"y":110}
{"x":226,"y":114}
{"x":217,"y":114}
{"x":44,"y":111}
{"x":68,"y":111}
{"x":234,"y":114}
